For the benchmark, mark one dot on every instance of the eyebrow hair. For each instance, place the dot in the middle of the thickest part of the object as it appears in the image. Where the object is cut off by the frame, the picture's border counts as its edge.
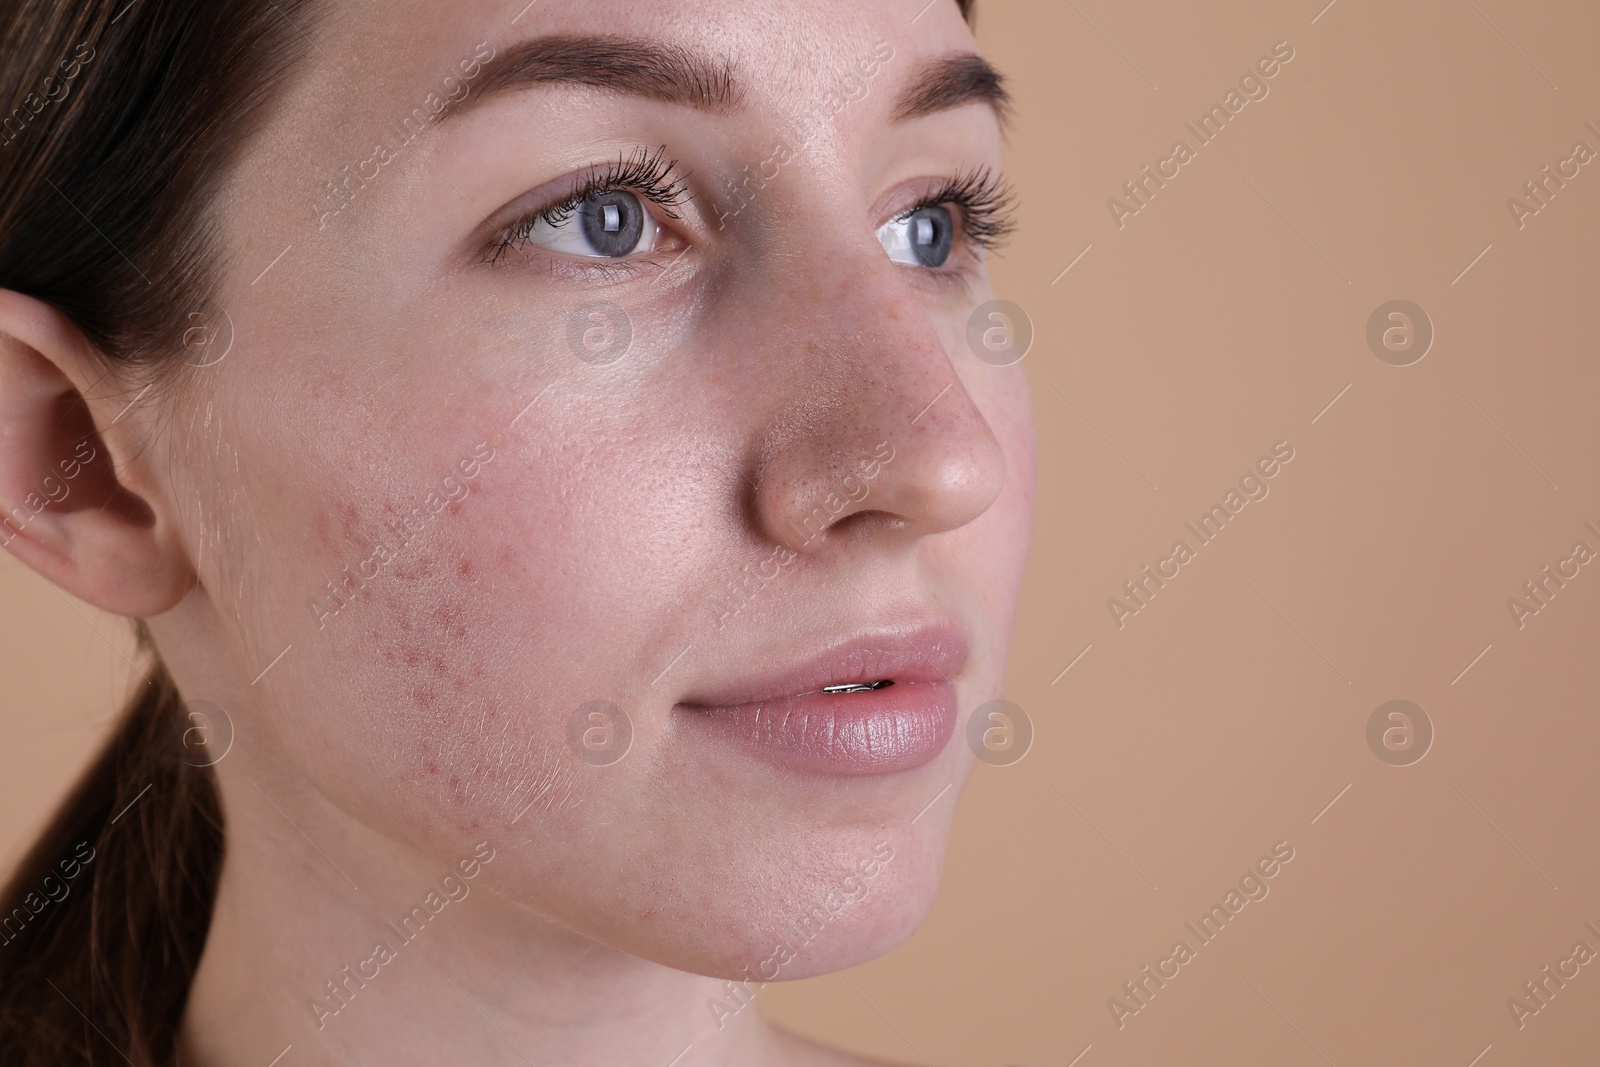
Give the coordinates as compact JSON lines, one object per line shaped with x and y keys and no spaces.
{"x":674,"y":75}
{"x":951,"y":80}
{"x":662,"y":72}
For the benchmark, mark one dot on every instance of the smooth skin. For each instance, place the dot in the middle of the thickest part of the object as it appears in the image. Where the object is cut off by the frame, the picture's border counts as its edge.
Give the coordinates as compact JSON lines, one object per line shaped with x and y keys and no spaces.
{"x":376,"y":745}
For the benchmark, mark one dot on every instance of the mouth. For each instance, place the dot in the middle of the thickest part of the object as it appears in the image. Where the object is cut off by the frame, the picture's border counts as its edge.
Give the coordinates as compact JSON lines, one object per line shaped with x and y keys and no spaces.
{"x":858,"y":687}
{"x":873,"y":705}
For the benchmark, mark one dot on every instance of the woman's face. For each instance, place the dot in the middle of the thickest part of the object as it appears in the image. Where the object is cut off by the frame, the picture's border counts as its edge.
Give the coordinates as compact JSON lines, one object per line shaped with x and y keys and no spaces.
{"x":546,"y":511}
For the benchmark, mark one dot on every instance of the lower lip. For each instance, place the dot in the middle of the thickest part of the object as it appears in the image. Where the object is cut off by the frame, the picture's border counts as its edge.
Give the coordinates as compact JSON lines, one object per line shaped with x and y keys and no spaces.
{"x":879,"y":731}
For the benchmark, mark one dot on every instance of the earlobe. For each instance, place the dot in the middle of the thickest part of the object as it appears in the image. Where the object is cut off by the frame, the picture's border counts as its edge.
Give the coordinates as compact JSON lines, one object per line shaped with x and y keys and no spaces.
{"x":66,"y":506}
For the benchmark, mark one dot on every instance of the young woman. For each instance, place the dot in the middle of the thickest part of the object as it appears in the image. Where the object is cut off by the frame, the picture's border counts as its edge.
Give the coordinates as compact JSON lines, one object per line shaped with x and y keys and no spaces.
{"x":571,"y":527}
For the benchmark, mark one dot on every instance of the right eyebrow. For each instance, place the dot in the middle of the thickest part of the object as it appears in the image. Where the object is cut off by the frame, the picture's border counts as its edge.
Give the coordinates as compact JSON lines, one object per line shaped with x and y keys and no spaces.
{"x":951,"y":80}
{"x":625,"y":65}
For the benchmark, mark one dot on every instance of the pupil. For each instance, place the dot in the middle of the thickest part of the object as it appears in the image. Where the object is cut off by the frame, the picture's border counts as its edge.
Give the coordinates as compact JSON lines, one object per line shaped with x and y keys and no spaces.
{"x":612,"y":222}
{"x":931,"y":235}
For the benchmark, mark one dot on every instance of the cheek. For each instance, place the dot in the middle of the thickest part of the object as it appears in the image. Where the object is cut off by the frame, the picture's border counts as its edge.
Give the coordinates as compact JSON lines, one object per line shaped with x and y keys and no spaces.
{"x":392,"y":695}
{"x":337,"y":526}
{"x":440,"y":691}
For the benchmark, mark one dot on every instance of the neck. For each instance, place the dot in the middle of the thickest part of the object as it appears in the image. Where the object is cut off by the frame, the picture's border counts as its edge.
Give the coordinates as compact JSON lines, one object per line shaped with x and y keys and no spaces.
{"x":346,"y":950}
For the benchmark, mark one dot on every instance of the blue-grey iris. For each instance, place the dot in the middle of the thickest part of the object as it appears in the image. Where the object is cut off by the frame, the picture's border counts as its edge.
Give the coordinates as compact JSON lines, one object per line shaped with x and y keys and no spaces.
{"x":612,"y":222}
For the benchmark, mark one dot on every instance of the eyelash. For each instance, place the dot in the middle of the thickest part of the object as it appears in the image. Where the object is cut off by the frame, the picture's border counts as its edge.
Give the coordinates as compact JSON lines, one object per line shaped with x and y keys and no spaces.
{"x":986,"y":202}
{"x":648,"y":173}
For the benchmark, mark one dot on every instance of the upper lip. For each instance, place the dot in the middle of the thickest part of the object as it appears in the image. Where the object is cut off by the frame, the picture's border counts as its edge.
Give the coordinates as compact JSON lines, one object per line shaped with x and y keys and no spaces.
{"x":933,"y":652}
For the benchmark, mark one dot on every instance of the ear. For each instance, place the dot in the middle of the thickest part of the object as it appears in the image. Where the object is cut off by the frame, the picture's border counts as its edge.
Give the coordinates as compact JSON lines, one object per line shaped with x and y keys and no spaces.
{"x":66,"y":506}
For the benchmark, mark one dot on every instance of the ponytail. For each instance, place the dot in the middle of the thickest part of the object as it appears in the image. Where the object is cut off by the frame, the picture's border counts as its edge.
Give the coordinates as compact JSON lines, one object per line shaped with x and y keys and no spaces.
{"x":119,"y":122}
{"x":104,"y":921}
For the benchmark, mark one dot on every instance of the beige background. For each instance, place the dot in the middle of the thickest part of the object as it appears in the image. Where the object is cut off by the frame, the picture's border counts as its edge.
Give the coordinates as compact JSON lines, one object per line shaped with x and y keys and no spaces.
{"x":1232,"y":710}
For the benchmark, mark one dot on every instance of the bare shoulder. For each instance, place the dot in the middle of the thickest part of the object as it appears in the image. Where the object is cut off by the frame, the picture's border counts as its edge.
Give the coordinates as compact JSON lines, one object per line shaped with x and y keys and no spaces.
{"x":804,"y":1052}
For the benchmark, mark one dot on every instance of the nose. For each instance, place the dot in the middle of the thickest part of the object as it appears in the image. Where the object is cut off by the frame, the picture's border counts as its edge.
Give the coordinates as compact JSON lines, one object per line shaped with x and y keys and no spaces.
{"x":877,"y":434}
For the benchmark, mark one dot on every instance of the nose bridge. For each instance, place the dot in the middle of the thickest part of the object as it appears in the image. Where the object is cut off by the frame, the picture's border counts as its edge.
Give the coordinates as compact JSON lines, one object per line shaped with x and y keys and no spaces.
{"x":873,"y":418}
{"x":862,"y":330}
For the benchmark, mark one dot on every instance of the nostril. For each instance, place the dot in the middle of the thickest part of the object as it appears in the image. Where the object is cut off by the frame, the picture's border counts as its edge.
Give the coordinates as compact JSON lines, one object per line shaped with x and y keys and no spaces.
{"x":869,"y":518}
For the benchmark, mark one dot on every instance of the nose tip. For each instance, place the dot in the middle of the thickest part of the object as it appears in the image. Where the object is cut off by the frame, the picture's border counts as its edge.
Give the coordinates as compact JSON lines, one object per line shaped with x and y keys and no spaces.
{"x":893,"y":462}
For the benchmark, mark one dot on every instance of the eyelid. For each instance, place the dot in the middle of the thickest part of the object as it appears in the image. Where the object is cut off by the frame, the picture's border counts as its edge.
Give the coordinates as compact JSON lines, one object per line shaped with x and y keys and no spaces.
{"x":644,"y":172}
{"x":984,"y":201}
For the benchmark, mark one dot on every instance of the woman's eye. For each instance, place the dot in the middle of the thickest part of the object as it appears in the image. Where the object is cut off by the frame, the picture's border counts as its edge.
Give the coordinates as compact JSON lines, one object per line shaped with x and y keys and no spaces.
{"x":921,"y":238}
{"x":608,"y":225}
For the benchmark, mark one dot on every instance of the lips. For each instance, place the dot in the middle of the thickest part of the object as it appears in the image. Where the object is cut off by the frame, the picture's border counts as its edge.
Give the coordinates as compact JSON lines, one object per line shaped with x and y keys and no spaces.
{"x":876,"y":704}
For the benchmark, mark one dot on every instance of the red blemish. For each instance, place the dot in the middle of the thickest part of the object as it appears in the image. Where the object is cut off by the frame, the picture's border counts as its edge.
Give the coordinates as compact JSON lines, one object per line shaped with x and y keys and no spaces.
{"x":324,"y":529}
{"x":347,"y":519}
{"x":350,"y":521}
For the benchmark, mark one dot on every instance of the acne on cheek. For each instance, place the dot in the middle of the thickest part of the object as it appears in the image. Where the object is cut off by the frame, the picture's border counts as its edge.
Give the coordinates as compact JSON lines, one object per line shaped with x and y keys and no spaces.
{"x":430,"y":679}
{"x":434,"y":624}
{"x":339,"y":526}
{"x":484,"y":738}
{"x":388,"y":573}
{"x":431,"y":654}
{"x":431,"y":640}
{"x":409,"y":527}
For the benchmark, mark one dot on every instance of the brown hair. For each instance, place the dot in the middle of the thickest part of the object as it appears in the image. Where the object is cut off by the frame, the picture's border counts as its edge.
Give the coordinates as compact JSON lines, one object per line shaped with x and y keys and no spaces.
{"x":118,"y":120}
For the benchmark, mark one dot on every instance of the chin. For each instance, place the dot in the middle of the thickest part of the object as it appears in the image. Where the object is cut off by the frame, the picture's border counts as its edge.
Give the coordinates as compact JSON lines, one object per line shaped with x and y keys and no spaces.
{"x":861,"y":903}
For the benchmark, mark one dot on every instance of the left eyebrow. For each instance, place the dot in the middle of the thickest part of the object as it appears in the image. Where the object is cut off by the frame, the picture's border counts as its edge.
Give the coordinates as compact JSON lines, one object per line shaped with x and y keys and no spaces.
{"x":951,"y":80}
{"x":615,"y":64}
